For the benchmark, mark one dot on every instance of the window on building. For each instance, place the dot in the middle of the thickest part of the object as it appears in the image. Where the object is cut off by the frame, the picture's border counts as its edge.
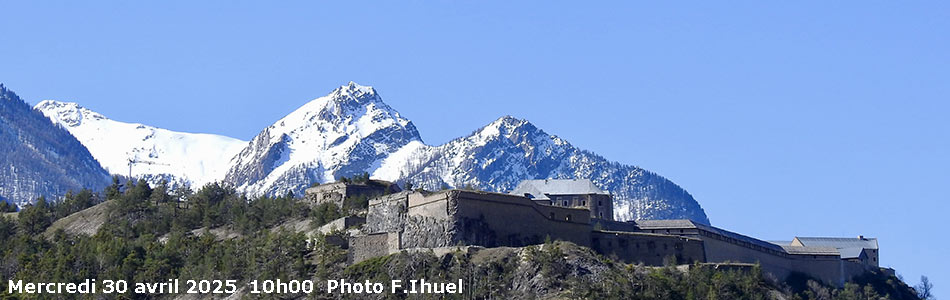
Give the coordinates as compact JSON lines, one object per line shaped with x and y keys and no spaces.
{"x":583,"y":203}
{"x":568,"y":217}
{"x":565,"y":203}
{"x":600,"y":203}
{"x":601,"y":215}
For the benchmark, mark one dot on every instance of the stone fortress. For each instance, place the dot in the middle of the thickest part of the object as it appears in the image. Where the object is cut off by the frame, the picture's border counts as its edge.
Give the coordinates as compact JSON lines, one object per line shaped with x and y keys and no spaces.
{"x":579,"y":212}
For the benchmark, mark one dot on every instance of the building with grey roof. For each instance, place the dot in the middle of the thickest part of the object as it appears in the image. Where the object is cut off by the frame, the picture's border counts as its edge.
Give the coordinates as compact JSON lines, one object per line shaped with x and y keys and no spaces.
{"x":568,"y":193}
{"x":860,"y":249}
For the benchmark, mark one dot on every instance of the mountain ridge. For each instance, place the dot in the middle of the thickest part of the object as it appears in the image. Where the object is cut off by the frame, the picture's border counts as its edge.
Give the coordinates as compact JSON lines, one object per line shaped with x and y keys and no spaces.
{"x":494,"y":157}
{"x":350,"y":131}
{"x":499,"y":155}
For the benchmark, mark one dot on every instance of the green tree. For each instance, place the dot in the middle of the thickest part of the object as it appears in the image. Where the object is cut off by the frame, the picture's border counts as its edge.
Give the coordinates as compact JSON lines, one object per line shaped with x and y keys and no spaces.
{"x":325,"y":213}
{"x":35,"y":218}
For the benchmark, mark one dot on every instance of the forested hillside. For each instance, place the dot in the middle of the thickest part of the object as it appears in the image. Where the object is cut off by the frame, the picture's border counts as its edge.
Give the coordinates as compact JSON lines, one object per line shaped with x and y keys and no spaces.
{"x":156,"y":234}
{"x":39,"y":158}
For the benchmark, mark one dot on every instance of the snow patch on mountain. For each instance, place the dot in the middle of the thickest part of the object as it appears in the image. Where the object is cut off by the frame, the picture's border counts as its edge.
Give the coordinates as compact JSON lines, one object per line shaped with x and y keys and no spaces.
{"x":192,"y":159}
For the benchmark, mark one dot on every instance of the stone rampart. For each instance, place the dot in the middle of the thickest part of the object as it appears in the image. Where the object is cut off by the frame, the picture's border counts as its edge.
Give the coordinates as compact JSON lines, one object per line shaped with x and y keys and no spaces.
{"x":648,"y":249}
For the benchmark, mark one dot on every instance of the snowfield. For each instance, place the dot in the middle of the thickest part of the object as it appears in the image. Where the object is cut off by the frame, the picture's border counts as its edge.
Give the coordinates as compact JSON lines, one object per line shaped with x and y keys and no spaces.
{"x":194,"y":159}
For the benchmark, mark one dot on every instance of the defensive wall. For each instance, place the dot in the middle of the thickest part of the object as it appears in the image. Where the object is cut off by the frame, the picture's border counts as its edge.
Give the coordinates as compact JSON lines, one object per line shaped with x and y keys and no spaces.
{"x":409,"y":220}
{"x":822,"y":263}
{"x":648,"y":249}
{"x":336,"y":192}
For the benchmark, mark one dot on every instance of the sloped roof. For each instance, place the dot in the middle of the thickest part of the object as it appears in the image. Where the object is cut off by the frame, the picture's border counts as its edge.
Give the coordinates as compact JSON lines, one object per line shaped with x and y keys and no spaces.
{"x":847,"y":253}
{"x":540,"y":188}
{"x":665,"y":224}
{"x":810,"y":250}
{"x":689,"y":224}
{"x":838,"y":242}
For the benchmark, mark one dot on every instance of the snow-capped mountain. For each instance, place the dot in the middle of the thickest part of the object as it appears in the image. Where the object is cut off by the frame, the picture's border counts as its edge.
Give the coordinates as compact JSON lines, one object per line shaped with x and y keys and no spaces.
{"x":38,"y":158}
{"x":152,"y":153}
{"x":498,"y":156}
{"x":344,"y":133}
{"x":351,"y":131}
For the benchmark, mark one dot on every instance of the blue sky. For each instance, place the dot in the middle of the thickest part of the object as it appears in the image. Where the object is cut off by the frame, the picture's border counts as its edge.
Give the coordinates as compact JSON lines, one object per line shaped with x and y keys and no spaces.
{"x":782,"y":119}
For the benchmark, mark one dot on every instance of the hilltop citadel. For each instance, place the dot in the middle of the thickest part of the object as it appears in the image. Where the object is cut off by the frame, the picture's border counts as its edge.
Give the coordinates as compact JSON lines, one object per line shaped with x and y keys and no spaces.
{"x":576,"y":211}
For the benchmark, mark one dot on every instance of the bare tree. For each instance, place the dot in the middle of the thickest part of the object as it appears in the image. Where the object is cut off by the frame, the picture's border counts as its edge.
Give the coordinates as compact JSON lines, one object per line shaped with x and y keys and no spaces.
{"x":925,"y":289}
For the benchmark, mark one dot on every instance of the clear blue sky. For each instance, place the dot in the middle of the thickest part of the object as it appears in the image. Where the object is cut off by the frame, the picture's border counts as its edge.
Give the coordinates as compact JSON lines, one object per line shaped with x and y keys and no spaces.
{"x":782,"y":119}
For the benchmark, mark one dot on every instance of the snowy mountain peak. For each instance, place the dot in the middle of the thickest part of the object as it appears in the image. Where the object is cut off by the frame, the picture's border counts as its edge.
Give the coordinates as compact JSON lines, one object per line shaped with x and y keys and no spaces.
{"x":344,"y":133}
{"x":69,"y":114}
{"x":355,"y":91}
{"x":507,"y":125}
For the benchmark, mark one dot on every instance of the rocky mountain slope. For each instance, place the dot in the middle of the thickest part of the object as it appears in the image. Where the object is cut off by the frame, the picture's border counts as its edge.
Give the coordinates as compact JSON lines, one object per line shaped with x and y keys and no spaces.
{"x":501,"y":154}
{"x":39,"y":158}
{"x":152,"y":153}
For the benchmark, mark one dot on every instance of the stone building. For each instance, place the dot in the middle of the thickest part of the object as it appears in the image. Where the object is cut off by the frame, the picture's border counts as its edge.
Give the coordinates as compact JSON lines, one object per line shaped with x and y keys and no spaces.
{"x":452,"y":218}
{"x":336,"y":192}
{"x":820,"y":258}
{"x":861,"y":249}
{"x":568,"y":193}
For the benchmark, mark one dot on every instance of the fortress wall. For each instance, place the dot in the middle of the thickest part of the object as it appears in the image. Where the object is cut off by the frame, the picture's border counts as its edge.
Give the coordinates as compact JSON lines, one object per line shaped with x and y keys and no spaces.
{"x":850,"y":270}
{"x":649,"y":249}
{"x":326,"y":193}
{"x":435,"y":205}
{"x":428,"y":232}
{"x":387,"y":213}
{"x":336,"y":192}
{"x":609,"y":225}
{"x":826,"y":268}
{"x":490,"y":219}
{"x":364,"y":247}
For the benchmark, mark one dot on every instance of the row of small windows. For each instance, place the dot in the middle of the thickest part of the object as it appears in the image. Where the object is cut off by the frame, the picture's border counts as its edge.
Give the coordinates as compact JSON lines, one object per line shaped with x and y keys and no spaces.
{"x":583,"y":202}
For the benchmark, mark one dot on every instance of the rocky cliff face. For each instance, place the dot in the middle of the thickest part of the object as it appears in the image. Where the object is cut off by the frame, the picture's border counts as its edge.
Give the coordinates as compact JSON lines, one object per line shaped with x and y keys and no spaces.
{"x":39,"y":158}
{"x":344,"y":133}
